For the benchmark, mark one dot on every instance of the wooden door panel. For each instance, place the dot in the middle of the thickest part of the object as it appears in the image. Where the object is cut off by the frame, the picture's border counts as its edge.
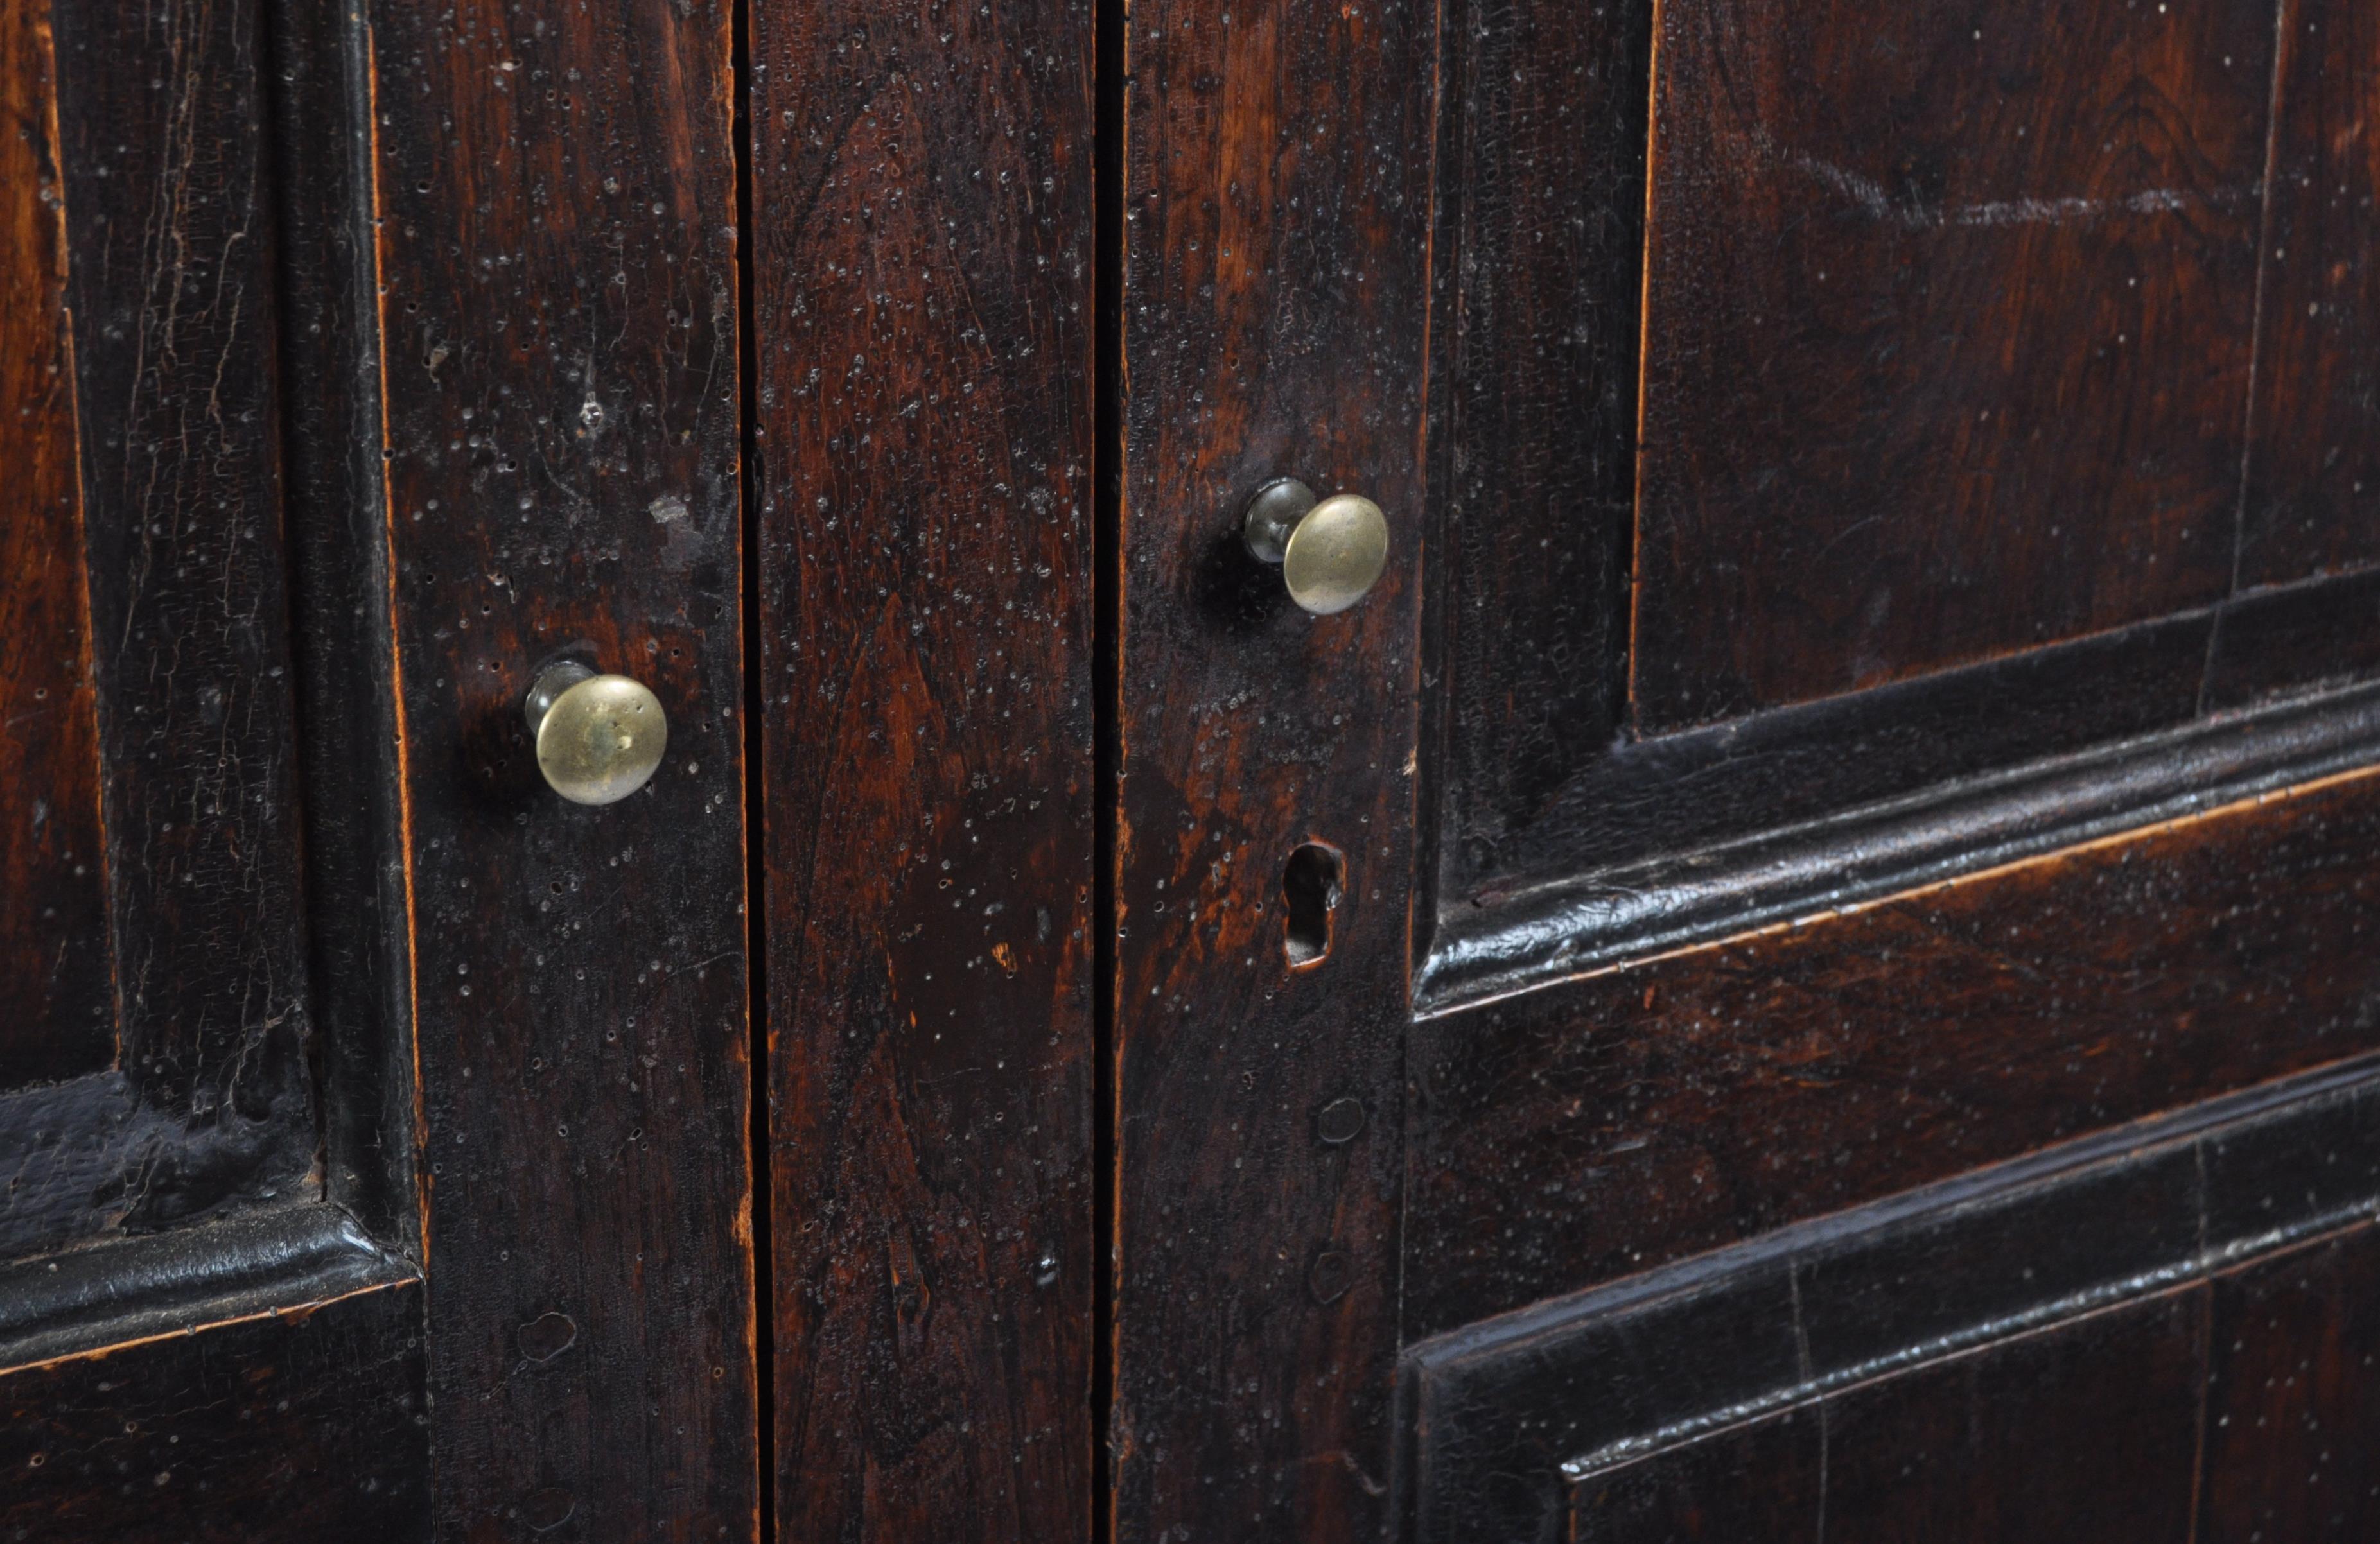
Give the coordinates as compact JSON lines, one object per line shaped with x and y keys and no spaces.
{"x":558,"y":320}
{"x":1949,"y":314}
{"x":1276,"y":224}
{"x":2003,"y":1357}
{"x":1940,"y":468}
{"x":196,"y":1338}
{"x":922,"y":305}
{"x":2082,"y":1432}
{"x":1583,"y":1133}
{"x":58,"y":1008}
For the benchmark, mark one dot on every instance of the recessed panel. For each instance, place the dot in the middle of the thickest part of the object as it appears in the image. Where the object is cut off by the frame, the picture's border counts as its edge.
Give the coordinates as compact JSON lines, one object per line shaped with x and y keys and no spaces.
{"x":1949,"y":317}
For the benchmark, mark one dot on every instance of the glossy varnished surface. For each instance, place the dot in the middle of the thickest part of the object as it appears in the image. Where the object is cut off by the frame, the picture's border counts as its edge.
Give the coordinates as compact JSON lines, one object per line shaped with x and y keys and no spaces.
{"x":922,"y":323}
{"x":156,"y":152}
{"x":1580,"y":1134}
{"x":58,"y":1012}
{"x":558,"y":310}
{"x":1275,"y":248}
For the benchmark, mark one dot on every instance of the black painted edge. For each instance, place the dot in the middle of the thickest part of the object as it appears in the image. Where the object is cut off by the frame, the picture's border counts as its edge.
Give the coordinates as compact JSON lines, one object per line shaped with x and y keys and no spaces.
{"x":128,"y":1290}
{"x":1571,"y":928}
{"x":1576,"y":1386}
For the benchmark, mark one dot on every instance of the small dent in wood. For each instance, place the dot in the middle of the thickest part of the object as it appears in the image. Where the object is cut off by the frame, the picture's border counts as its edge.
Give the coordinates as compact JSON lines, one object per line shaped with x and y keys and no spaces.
{"x":548,"y":1336}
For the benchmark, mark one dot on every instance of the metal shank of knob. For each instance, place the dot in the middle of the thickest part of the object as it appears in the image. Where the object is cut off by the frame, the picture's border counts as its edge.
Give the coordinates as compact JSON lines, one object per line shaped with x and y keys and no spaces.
{"x":600,"y":738}
{"x":1331,"y":551}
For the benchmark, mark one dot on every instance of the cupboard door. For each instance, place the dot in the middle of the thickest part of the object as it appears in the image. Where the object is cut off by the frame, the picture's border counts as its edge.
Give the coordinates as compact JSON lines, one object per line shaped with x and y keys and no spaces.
{"x":197,"y":1338}
{"x":1818,"y":904}
{"x":1918,"y":954}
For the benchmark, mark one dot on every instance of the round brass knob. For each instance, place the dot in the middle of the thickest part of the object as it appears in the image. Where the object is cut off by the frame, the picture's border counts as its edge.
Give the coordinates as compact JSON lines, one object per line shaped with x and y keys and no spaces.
{"x":1331,"y":552}
{"x":599,"y":736}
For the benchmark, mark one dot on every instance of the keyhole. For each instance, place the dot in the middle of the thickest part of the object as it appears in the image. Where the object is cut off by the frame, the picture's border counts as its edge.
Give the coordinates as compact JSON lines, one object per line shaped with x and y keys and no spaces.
{"x":1310,"y":888}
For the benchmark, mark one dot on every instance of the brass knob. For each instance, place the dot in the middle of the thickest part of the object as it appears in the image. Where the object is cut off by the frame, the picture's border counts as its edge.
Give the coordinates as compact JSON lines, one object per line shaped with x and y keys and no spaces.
{"x":1330,"y":552}
{"x":599,"y":736}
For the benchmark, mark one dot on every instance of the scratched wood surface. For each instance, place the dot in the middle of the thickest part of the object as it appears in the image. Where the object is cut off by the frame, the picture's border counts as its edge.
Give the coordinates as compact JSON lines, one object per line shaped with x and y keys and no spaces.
{"x":203,"y":1103}
{"x":559,"y":324}
{"x":1587,"y":1132}
{"x":2085,"y":1431}
{"x":57,"y":1010}
{"x":1949,"y":311}
{"x":922,"y":317}
{"x":1277,"y":218}
{"x":282,"y":1430}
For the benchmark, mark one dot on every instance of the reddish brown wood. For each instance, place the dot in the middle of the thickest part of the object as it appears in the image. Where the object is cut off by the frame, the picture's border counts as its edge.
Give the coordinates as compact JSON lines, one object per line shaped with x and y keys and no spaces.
{"x":2293,"y":1407}
{"x":282,"y":1429}
{"x":1949,"y":314}
{"x":2313,"y":478}
{"x":1585,"y":1132}
{"x":1277,"y":209}
{"x":557,"y":261}
{"x":57,"y":1010}
{"x":922,"y":312}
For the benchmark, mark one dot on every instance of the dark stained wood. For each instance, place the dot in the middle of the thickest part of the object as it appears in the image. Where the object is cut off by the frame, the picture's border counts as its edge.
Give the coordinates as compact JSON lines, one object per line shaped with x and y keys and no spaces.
{"x":1940,"y":1364}
{"x":168,"y":263}
{"x":922,"y":185}
{"x":1583,"y":1133}
{"x":2069,"y":1435}
{"x":281,"y":1429}
{"x":1951,"y":312}
{"x":2293,"y":1410}
{"x":559,"y":310}
{"x":1277,"y":209}
{"x":2082,"y":1432}
{"x":2296,"y":639}
{"x":334,"y":495}
{"x":1748,"y":1481}
{"x":1537,"y":442}
{"x":2313,"y":471}
{"x":58,"y":1008}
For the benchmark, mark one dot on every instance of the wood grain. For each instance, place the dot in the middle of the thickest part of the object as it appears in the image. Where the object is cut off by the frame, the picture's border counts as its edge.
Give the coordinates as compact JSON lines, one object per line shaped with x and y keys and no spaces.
{"x":1277,"y":209}
{"x":285,"y":1429}
{"x":57,"y":1007}
{"x":922,"y":309}
{"x":170,"y":284}
{"x":2314,"y":473}
{"x":559,"y":326}
{"x":1950,"y":312}
{"x":1579,"y":1134}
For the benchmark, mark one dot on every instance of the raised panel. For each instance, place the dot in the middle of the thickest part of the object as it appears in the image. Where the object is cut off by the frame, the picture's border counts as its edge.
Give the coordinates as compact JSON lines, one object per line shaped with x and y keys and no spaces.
{"x":2020,"y":1353}
{"x":1948,"y":311}
{"x":1578,"y":1133}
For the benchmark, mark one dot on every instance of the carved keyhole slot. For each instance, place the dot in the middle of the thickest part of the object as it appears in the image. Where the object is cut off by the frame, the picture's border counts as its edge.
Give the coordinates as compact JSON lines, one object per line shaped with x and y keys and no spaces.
{"x":1311,"y":884}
